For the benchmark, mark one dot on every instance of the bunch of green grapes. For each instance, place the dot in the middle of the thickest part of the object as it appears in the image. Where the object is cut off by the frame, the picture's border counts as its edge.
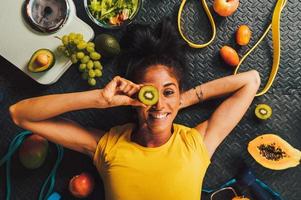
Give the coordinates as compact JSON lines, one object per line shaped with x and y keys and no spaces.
{"x":78,"y":50}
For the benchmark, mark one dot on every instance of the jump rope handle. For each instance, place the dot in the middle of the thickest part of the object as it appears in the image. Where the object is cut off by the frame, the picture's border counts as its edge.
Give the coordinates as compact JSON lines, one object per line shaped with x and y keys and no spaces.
{"x":258,"y":189}
{"x":260,"y":193}
{"x":48,"y":185}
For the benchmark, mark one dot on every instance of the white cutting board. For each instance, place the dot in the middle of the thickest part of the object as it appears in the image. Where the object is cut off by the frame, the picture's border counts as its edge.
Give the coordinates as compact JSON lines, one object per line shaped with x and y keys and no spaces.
{"x":18,"y":41}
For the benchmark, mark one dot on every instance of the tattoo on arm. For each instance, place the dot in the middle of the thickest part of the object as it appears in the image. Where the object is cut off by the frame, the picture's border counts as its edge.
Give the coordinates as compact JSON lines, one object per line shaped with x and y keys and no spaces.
{"x":199,"y":94}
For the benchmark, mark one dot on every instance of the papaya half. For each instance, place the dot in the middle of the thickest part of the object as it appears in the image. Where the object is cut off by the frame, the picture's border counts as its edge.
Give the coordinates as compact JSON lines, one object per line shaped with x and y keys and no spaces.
{"x":272,"y":152}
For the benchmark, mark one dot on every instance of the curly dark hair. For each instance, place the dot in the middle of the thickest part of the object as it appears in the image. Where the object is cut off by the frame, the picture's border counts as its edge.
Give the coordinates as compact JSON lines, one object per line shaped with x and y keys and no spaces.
{"x":147,"y":45}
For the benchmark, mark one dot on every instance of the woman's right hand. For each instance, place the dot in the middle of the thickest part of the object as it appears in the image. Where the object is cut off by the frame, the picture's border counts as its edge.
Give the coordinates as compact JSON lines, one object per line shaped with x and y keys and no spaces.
{"x":119,"y":92}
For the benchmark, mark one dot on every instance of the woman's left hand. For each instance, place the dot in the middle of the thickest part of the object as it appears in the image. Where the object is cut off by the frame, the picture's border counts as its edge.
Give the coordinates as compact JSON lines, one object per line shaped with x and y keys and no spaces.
{"x":120,"y":91}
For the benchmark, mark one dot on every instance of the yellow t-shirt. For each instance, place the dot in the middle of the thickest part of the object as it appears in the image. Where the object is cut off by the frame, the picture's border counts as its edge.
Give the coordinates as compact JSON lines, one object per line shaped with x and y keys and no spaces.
{"x":173,"y":171}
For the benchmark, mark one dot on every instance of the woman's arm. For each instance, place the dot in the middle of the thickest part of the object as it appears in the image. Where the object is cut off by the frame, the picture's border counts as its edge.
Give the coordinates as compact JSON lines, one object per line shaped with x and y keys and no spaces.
{"x":41,"y":114}
{"x":241,"y":88}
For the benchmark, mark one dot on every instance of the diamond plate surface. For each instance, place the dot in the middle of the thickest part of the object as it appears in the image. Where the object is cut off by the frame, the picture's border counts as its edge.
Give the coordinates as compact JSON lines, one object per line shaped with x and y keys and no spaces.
{"x":204,"y":65}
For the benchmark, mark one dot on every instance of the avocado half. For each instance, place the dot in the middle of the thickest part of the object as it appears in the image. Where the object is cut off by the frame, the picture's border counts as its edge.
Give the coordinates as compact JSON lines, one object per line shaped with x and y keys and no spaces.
{"x":35,"y":66}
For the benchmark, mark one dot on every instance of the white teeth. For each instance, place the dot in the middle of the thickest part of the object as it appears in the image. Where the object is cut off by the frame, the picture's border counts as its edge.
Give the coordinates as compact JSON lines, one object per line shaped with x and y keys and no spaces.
{"x":158,"y":116}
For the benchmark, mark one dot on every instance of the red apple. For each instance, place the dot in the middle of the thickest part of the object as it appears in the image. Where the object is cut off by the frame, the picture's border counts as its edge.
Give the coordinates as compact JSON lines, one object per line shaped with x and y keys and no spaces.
{"x":81,"y":185}
{"x":225,"y":7}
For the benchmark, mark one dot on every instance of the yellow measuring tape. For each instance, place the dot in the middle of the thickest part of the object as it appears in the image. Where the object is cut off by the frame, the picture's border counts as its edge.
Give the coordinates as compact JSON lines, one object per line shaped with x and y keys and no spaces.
{"x":275,"y":26}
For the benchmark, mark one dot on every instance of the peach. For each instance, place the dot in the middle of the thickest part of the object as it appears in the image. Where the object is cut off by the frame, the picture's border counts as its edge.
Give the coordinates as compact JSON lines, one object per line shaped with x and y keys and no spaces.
{"x":225,"y":7}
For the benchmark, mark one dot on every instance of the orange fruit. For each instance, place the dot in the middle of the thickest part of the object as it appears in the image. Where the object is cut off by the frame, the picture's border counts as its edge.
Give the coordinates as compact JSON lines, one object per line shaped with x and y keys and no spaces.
{"x":229,"y":55}
{"x":240,"y":198}
{"x":243,"y":35}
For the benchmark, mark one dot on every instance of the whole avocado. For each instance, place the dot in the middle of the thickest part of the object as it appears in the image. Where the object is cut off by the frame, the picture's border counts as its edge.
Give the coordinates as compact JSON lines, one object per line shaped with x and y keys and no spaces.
{"x":107,"y":45}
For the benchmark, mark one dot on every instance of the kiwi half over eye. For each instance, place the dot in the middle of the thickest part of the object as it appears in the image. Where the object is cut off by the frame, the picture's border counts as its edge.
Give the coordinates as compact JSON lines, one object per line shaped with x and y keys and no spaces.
{"x":263,"y":111}
{"x":148,"y":95}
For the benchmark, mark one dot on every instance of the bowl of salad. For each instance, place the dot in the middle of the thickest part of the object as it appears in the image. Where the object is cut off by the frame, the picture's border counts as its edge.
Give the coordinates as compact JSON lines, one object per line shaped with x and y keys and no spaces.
{"x":112,"y":14}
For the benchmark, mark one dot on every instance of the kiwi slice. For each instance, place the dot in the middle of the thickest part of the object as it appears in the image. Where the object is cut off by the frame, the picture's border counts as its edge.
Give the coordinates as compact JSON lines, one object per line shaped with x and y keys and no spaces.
{"x":148,"y":95}
{"x":263,"y":111}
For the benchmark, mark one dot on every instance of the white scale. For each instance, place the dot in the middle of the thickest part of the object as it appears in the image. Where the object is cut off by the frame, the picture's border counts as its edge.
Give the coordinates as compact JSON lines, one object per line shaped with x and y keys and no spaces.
{"x":18,"y":40}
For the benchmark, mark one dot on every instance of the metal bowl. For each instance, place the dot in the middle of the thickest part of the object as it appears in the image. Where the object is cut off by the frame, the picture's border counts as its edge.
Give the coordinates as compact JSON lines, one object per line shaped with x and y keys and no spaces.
{"x":46,"y":16}
{"x":106,"y":25}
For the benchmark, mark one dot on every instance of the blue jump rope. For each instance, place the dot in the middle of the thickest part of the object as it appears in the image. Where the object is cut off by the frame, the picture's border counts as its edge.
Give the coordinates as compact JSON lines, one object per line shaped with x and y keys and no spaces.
{"x":246,"y":177}
{"x":47,"y":188}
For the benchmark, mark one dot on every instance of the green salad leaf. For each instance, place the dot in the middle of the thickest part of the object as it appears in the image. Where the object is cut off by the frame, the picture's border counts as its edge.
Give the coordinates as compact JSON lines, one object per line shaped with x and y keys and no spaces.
{"x":113,"y":10}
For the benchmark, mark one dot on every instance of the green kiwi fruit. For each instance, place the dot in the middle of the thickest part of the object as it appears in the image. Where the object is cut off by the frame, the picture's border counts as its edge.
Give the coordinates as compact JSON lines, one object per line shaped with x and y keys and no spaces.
{"x":148,"y":95}
{"x":263,"y":111}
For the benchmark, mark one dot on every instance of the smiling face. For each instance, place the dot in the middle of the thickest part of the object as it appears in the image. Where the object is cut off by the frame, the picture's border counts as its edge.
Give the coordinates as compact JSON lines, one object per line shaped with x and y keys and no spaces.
{"x":159,"y":117}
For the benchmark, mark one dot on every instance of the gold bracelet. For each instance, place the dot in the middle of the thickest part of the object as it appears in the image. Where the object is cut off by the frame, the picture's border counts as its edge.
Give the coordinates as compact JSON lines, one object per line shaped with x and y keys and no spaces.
{"x":199,"y":95}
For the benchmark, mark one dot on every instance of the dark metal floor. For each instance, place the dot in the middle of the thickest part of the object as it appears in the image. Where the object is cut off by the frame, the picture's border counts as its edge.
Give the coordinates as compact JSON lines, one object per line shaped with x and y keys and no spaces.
{"x":204,"y":65}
